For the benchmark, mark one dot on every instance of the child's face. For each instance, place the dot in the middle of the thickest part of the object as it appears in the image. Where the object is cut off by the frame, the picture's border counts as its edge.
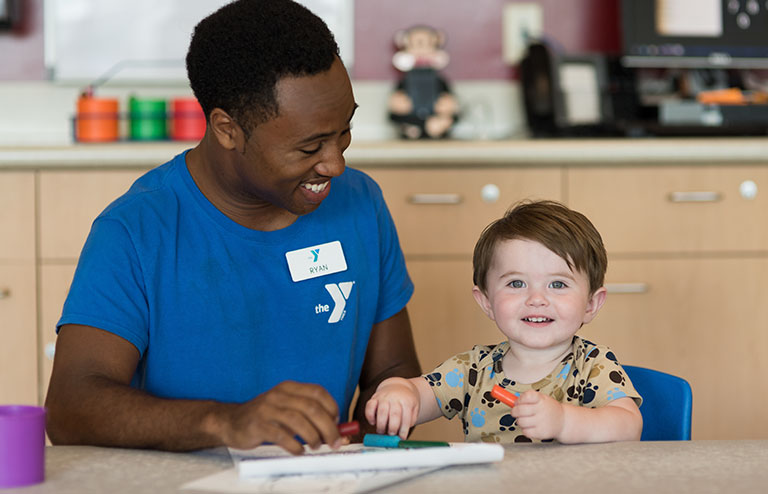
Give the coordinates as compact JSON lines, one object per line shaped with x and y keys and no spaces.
{"x":534,"y":297}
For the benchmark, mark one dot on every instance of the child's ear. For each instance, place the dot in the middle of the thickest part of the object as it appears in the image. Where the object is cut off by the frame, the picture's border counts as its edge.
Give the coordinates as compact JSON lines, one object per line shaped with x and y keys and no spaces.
{"x":483,"y":301}
{"x":596,"y":300}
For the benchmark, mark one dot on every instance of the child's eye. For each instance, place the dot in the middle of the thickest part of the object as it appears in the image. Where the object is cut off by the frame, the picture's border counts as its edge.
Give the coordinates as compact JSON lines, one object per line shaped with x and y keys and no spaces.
{"x":557,"y":284}
{"x":516,"y":284}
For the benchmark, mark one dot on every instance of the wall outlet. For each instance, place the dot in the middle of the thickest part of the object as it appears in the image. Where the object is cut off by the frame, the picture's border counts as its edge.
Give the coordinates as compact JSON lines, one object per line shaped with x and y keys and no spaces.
{"x":520,"y":21}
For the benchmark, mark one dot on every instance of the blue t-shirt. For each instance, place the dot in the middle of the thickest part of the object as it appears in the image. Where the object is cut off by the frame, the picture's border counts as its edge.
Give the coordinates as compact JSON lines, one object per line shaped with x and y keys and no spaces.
{"x":211,"y":305}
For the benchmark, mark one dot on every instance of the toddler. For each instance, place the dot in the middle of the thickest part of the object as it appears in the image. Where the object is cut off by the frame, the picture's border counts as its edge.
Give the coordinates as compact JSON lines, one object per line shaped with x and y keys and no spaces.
{"x":538,"y":274}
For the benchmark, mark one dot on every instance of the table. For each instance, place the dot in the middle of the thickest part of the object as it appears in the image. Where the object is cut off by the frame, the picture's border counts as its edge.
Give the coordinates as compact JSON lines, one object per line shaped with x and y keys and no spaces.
{"x":642,"y":467}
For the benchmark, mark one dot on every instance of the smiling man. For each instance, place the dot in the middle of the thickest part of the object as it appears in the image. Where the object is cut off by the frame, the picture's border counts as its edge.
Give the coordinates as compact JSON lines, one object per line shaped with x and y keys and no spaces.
{"x":239,"y":293}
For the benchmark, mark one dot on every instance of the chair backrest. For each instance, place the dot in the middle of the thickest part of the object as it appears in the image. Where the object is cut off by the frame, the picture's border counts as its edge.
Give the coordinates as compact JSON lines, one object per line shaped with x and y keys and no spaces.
{"x":667,"y":404}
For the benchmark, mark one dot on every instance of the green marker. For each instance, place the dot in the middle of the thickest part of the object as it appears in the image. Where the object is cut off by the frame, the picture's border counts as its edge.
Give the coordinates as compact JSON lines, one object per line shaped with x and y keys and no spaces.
{"x":422,"y":444}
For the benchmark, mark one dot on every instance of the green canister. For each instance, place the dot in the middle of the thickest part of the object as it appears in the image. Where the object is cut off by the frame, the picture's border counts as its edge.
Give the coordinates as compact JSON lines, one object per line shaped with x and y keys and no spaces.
{"x":147,"y":119}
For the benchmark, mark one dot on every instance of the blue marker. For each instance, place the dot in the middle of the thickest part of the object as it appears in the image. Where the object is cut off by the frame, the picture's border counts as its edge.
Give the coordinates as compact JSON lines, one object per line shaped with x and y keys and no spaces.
{"x":384,"y":441}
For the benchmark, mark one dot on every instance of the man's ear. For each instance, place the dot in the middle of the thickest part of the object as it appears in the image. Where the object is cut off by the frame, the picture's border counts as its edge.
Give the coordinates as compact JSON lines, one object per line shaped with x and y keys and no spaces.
{"x":226,"y":131}
{"x":596,"y":300}
{"x":483,"y":302}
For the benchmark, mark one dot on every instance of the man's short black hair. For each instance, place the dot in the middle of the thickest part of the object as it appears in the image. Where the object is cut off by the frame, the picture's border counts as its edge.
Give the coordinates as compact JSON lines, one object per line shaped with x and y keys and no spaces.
{"x":239,"y":53}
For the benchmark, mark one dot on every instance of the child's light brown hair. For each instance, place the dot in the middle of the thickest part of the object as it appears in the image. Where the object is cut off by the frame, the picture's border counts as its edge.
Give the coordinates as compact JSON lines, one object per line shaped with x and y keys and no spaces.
{"x":566,"y":232}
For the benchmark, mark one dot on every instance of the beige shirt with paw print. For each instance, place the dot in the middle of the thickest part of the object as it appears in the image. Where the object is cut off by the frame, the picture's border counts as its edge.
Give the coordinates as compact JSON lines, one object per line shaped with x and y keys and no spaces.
{"x":588,"y":376}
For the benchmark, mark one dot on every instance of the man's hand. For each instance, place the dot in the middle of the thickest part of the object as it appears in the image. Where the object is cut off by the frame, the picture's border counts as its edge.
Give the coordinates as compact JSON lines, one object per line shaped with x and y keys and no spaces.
{"x":394,"y":408}
{"x":281,"y":416}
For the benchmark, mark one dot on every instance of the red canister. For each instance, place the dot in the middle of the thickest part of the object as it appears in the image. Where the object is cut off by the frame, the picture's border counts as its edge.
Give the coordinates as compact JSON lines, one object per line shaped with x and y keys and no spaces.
{"x":187,"y":120}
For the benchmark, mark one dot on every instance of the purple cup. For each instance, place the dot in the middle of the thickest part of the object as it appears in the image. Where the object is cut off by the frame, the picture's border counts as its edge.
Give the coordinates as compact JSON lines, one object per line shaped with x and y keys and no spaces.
{"x":22,"y":445}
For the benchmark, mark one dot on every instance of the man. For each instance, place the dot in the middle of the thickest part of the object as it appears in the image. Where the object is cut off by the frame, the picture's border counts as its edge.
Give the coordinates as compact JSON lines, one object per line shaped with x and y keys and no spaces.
{"x":238,"y":294}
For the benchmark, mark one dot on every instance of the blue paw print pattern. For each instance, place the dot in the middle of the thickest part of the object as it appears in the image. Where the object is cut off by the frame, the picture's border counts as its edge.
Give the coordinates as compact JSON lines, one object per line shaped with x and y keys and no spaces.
{"x":478,"y":417}
{"x":615,"y":394}
{"x":563,"y":374}
{"x":454,"y":379}
{"x":493,"y":373}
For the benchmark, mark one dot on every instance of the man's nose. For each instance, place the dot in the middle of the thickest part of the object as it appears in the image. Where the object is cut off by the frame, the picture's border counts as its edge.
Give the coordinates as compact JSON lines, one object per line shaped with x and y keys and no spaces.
{"x":332,"y":163}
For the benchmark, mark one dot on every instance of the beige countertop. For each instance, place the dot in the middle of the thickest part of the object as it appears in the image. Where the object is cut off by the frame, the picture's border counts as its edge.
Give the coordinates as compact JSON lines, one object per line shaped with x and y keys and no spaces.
{"x":521,"y":152}
{"x":632,"y":467}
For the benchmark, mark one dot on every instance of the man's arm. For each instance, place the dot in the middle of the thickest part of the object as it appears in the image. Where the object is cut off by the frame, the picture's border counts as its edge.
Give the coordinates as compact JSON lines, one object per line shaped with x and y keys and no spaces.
{"x":391,"y":353}
{"x":90,"y":401}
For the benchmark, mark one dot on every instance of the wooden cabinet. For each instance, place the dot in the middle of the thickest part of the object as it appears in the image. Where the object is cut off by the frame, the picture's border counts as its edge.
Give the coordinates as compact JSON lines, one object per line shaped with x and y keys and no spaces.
{"x":674,"y":209}
{"x":439,"y":214}
{"x":702,"y":318}
{"x":688,"y":253}
{"x":18,"y":309}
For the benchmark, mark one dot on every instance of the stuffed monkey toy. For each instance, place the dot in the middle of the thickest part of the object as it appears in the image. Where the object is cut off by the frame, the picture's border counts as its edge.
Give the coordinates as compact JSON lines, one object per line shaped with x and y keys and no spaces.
{"x":422,"y":103}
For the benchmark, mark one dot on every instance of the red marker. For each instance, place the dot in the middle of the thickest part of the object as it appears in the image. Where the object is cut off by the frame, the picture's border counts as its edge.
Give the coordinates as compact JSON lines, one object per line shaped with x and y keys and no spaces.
{"x":503,"y":395}
{"x":349,"y":428}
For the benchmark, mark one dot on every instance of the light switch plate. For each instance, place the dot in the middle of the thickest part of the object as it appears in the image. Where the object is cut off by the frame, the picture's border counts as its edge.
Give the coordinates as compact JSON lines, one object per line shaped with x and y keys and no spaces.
{"x":520,"y":20}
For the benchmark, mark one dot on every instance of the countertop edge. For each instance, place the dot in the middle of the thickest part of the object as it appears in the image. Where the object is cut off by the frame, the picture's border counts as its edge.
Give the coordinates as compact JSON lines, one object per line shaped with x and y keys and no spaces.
{"x":603,"y":152}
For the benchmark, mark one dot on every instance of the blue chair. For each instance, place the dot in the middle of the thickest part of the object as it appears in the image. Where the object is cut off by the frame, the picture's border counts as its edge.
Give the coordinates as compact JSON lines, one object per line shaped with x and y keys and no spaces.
{"x":667,"y":404}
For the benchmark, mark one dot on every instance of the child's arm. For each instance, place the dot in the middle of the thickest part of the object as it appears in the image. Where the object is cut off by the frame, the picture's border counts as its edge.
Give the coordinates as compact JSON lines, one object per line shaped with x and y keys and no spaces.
{"x":542,"y":417}
{"x":399,"y":404}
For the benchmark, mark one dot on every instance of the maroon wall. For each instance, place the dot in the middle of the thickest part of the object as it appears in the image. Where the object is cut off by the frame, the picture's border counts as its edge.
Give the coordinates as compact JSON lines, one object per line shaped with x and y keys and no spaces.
{"x":473,"y":28}
{"x":21,"y":49}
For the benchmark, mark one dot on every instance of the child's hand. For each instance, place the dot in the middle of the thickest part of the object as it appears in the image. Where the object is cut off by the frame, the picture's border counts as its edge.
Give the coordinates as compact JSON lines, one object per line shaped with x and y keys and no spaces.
{"x":394,"y":407}
{"x":539,"y":416}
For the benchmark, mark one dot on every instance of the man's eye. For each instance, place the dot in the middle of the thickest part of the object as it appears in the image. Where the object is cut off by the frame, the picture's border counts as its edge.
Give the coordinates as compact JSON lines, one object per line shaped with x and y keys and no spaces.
{"x":557,"y":284}
{"x":516,"y":284}
{"x":311,"y":151}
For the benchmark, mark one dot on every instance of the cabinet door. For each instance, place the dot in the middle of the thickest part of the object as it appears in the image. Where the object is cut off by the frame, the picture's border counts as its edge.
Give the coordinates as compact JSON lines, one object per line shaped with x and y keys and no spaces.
{"x":674,"y":209}
{"x":70,"y":201}
{"x":441,"y":211}
{"x":701,"y":319}
{"x":17,"y":215}
{"x":18,"y":334}
{"x":18,"y":329}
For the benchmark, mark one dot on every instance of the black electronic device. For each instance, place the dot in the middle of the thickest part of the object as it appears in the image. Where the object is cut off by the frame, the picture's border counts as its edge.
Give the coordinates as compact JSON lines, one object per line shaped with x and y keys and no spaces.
{"x":576,"y":95}
{"x":728,"y":34}
{"x":9,"y":13}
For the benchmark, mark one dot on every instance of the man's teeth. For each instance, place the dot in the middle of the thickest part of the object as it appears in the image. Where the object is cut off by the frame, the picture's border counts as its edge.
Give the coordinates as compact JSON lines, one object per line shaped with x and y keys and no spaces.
{"x":537,"y":319}
{"x":316,"y":187}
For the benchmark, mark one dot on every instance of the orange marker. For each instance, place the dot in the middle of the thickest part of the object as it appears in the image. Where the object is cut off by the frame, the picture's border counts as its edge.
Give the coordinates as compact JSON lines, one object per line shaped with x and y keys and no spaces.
{"x":503,"y":395}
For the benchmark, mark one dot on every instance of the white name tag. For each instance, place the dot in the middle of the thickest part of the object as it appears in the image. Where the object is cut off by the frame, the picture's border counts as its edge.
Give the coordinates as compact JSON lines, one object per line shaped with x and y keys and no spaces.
{"x":318,"y":260}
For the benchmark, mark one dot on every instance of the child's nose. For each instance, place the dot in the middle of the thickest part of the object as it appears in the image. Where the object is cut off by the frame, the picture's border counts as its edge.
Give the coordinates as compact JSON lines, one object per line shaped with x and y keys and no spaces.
{"x":536,"y":298}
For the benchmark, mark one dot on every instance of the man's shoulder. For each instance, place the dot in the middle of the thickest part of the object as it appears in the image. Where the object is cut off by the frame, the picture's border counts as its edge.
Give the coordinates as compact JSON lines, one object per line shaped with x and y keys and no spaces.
{"x":151,"y":190}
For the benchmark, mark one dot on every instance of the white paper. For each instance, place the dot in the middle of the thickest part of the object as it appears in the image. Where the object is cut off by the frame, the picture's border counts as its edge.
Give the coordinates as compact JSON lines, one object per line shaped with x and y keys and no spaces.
{"x":689,"y":18}
{"x":230,"y":481}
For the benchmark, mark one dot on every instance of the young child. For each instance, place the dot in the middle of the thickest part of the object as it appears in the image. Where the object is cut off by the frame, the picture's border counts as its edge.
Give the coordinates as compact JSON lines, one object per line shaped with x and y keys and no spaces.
{"x":538,"y":274}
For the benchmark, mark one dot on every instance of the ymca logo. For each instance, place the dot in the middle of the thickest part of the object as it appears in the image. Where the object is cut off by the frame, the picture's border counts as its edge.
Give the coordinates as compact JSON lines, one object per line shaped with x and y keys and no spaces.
{"x":340,"y":294}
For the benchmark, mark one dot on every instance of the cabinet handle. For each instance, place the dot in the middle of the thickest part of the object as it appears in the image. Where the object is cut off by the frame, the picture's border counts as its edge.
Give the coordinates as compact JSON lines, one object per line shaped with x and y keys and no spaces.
{"x":701,"y":196}
{"x":626,"y":287}
{"x":435,"y":199}
{"x":5,"y":293}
